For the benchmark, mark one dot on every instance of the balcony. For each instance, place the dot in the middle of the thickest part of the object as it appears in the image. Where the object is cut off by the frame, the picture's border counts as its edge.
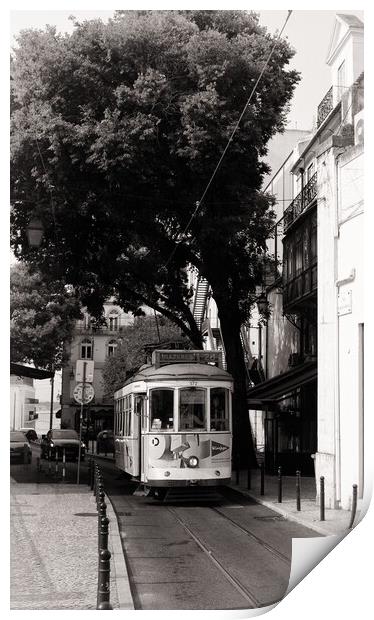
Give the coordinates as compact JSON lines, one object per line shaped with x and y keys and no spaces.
{"x":300,"y":290}
{"x":98,"y":331}
{"x":325,"y":107}
{"x":302,"y":201}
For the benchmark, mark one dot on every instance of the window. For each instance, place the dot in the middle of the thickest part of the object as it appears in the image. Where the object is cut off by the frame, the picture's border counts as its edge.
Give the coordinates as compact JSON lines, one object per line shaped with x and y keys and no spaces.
{"x":162,"y":409}
{"x":219,"y":409}
{"x":112,"y":348}
{"x":310,"y":172}
{"x":192,"y":409}
{"x":113,"y":320}
{"x":86,"y":349}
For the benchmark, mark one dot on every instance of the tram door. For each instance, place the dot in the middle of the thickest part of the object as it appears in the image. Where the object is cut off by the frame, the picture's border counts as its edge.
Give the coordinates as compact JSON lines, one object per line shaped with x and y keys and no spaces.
{"x":140,"y":422}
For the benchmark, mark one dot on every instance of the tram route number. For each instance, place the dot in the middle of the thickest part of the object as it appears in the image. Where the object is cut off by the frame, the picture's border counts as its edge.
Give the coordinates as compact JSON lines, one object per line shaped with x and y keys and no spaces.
{"x":193,"y":383}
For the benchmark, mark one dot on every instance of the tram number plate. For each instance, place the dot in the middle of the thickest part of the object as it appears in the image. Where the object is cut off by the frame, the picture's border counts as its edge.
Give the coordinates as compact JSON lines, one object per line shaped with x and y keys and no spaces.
{"x":194,"y":383}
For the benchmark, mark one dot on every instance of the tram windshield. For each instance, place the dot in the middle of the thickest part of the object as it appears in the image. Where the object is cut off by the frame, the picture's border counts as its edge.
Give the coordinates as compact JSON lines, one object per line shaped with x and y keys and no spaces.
{"x":162,"y":409}
{"x":192,"y":409}
{"x":219,"y":409}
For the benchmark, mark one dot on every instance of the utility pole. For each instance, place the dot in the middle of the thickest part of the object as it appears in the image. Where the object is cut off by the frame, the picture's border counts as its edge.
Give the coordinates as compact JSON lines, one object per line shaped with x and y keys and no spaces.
{"x":81,"y":419}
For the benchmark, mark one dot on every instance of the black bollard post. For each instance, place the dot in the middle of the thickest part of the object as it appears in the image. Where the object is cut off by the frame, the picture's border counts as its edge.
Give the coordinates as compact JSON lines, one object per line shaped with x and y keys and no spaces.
{"x":322,"y":499}
{"x":249,"y":481}
{"x":104,"y":533}
{"x":279,"y":485}
{"x":49,"y":461}
{"x":103,"y":586}
{"x":56,"y":463}
{"x":354,"y":506}
{"x":298,"y":489}
{"x":63,"y":465}
{"x":262,"y":473}
{"x":92,"y":473}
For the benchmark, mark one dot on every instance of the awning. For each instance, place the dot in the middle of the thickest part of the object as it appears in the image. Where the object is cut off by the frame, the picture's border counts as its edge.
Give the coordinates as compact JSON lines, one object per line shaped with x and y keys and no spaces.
{"x":272,"y":390}
{"x":28,"y":371}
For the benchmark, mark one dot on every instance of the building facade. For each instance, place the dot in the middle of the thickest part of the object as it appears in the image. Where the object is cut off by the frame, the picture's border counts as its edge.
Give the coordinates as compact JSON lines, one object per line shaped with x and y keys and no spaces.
{"x":320,"y":292}
{"x":92,"y":341}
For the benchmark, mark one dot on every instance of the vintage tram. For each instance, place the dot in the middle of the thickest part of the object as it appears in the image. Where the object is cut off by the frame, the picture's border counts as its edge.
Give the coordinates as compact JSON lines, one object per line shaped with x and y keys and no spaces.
{"x":173,"y":421}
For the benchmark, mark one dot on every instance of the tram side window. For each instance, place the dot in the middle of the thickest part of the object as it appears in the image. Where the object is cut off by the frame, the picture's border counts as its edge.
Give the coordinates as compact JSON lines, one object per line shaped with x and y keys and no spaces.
{"x":127,"y":416}
{"x":192,"y":409}
{"x":219,"y":409}
{"x":162,"y":409}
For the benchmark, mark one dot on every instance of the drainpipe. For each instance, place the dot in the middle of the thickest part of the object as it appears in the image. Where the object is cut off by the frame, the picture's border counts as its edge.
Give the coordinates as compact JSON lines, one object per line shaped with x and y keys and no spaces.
{"x":337,"y":432}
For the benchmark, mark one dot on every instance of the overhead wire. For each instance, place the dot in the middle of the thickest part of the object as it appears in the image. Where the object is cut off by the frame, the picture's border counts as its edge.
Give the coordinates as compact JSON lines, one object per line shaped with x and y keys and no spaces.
{"x":199,"y":202}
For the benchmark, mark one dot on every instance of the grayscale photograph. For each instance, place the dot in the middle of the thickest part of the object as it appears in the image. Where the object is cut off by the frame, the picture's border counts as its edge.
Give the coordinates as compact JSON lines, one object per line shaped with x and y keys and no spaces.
{"x":186,"y":303}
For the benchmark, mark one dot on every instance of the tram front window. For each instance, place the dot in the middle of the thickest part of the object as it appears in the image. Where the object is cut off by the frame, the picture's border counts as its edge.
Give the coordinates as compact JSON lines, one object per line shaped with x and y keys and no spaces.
{"x":219,"y":409}
{"x":162,"y":410}
{"x":192,"y":409}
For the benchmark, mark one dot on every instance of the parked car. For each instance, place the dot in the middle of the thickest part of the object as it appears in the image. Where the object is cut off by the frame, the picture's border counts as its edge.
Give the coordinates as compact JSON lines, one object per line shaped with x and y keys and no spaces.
{"x":105,"y":441}
{"x":19,"y":447}
{"x":30,"y":433}
{"x":56,"y":440}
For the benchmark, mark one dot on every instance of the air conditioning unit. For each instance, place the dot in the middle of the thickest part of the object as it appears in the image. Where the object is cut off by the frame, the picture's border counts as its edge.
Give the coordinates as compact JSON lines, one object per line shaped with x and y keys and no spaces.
{"x":359,"y":127}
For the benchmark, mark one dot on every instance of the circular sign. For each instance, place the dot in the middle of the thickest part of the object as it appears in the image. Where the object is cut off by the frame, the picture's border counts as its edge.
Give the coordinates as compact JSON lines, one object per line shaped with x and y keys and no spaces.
{"x":83,"y":394}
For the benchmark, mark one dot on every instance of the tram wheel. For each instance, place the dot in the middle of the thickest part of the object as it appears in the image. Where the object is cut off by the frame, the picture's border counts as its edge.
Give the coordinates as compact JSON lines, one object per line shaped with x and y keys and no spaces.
{"x":159,"y":493}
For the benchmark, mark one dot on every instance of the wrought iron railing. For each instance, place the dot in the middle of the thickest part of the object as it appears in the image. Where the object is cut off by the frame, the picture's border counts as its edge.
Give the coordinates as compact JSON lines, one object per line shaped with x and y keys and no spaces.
{"x":301,"y":202}
{"x":325,"y":107}
{"x":301,"y":286}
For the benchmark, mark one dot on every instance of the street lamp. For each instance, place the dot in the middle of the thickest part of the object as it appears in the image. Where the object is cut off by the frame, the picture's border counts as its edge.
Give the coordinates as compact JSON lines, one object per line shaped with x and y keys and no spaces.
{"x":262,"y":304}
{"x":35,"y":232}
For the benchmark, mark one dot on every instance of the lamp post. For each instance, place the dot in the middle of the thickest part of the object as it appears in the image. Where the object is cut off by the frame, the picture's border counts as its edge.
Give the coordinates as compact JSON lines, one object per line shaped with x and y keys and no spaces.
{"x":35,"y":233}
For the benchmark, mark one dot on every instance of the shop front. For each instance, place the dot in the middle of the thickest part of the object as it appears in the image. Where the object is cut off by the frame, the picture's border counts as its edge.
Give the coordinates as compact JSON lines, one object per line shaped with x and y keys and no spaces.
{"x":289,"y":405}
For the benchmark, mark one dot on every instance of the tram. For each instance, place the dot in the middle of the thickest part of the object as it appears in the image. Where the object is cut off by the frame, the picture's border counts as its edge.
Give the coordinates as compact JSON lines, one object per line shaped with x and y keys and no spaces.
{"x":173,"y":421}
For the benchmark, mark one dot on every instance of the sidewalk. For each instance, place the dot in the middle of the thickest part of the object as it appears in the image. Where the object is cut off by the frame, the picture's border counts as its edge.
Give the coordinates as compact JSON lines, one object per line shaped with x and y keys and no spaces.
{"x":336,"y":521}
{"x":53,"y":548}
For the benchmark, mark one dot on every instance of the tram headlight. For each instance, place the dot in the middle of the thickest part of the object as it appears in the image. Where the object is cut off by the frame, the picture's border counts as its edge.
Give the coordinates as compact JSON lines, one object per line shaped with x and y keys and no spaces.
{"x":217,"y":472}
{"x":193,"y":461}
{"x":167,"y":473}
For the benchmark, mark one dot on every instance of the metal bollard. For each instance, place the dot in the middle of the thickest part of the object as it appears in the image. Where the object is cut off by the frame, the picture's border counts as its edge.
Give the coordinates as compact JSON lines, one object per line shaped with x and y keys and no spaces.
{"x":298,"y":489}
{"x":49,"y":462}
{"x":322,"y":499}
{"x":249,"y":481}
{"x":103,"y":587}
{"x":63,"y":465}
{"x":103,"y":532}
{"x":262,"y":474}
{"x":354,"y":506}
{"x":38,"y":468}
{"x":279,"y":485}
{"x":56,"y":463}
{"x":92,"y":473}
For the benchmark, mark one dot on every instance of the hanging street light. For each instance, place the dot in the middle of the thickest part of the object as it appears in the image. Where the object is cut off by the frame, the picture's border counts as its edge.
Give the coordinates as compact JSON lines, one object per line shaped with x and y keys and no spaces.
{"x":35,"y":232}
{"x":262,"y":304}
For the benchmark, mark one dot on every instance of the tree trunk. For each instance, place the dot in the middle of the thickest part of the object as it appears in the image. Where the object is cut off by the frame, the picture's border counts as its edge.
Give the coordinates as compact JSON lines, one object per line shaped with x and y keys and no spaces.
{"x":243,"y":448}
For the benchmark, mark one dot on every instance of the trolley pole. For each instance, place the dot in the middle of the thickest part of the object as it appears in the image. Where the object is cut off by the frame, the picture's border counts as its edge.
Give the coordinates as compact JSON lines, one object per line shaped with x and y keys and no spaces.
{"x":81,"y":419}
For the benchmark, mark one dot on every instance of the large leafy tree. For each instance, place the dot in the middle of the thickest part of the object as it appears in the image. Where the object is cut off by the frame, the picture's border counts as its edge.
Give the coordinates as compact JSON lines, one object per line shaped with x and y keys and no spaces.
{"x":42,"y":317}
{"x":134,"y":348}
{"x":116,"y":130}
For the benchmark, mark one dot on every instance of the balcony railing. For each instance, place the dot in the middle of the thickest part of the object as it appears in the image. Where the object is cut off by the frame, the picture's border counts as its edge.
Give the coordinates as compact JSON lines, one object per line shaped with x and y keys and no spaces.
{"x":325,"y":107}
{"x":102,"y":330}
{"x":300,"y":287}
{"x":301,"y":202}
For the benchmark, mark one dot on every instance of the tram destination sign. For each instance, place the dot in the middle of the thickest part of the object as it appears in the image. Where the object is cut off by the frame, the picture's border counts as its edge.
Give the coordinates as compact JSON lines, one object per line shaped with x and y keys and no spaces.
{"x":164,"y":357}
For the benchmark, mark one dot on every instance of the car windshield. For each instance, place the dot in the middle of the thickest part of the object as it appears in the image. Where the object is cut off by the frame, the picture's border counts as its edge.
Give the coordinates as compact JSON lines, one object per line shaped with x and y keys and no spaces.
{"x":68,"y":434}
{"x":17,"y":436}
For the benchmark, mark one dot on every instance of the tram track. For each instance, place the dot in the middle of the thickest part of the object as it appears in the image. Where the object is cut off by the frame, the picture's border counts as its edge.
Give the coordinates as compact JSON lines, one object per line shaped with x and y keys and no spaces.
{"x":275,"y":552}
{"x":234,"y":581}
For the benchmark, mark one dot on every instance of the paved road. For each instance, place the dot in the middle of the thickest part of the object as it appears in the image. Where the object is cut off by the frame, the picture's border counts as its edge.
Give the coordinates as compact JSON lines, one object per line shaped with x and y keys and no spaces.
{"x":230,"y":554}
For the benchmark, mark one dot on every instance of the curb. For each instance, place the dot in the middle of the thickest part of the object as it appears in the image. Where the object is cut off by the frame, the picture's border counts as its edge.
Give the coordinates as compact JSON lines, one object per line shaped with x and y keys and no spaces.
{"x":287,"y":515}
{"x":121,"y":577}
